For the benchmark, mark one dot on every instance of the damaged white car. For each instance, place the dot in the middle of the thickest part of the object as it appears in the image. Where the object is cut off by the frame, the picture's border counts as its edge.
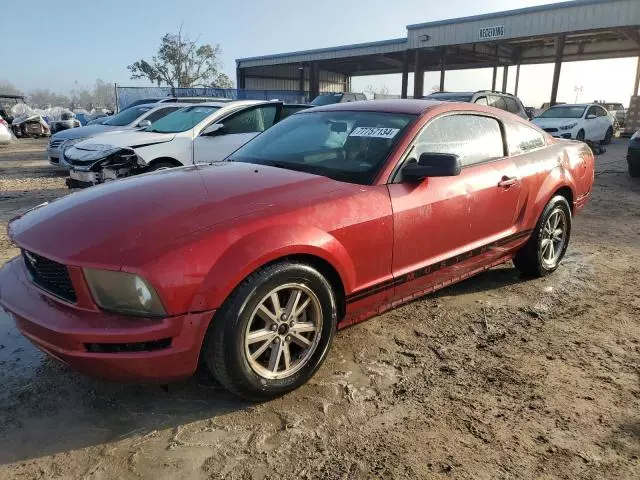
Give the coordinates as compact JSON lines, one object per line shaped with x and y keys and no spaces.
{"x":202,"y":133}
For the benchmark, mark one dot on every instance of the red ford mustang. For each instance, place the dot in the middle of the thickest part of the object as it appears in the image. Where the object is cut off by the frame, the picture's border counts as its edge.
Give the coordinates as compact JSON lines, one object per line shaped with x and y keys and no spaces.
{"x":332,"y":216}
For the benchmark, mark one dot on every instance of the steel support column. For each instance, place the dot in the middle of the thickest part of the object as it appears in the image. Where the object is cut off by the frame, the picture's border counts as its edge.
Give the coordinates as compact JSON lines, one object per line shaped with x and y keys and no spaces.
{"x":418,"y":80}
{"x":495,"y":69}
{"x":515,"y":90}
{"x":405,"y":74}
{"x":637,"y":84}
{"x":505,"y":76}
{"x":240,"y":77}
{"x":314,"y":80}
{"x":443,"y":66}
{"x":556,"y":69}
{"x":301,"y":79}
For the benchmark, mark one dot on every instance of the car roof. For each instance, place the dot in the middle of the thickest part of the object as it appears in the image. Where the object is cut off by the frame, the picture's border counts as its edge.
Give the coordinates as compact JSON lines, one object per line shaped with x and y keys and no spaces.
{"x":408,"y":106}
{"x":234,"y":103}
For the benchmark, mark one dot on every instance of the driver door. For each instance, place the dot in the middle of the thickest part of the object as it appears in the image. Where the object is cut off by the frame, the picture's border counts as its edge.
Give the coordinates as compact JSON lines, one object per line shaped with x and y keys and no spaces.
{"x":440,"y":222}
{"x":238,"y":128}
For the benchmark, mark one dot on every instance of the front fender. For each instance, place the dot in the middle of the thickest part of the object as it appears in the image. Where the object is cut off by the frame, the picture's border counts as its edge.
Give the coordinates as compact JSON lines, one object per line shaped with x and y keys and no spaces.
{"x":266,"y":245}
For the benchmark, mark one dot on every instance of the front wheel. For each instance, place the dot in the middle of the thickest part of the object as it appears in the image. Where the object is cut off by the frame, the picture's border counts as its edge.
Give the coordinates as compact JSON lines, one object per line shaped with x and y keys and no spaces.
{"x":634,"y":169}
{"x":161,"y":165}
{"x":542,"y":254}
{"x":580,"y":135}
{"x":273,"y":332}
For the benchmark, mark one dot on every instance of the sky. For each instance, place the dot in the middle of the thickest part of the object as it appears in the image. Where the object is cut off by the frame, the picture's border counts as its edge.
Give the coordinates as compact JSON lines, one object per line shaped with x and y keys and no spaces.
{"x":71,"y":43}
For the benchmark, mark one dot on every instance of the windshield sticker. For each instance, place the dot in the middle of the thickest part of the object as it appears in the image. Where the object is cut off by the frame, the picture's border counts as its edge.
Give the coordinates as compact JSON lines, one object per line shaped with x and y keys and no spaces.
{"x":376,"y":132}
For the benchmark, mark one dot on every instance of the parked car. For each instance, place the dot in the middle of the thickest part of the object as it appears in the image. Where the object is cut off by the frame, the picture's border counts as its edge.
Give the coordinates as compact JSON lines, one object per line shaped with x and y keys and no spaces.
{"x":206,"y":132}
{"x":503,"y":101}
{"x":249,"y":266}
{"x":128,"y":119}
{"x":580,"y":122}
{"x":617,"y":111}
{"x":331,"y":98}
{"x":6,"y":135}
{"x":633,"y":155}
{"x":98,"y":119}
{"x":178,"y":99}
{"x":67,"y":121}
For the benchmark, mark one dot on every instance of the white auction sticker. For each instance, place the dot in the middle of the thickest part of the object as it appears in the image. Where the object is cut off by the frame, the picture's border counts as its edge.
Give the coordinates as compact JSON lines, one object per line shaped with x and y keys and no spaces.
{"x":377,"y":132}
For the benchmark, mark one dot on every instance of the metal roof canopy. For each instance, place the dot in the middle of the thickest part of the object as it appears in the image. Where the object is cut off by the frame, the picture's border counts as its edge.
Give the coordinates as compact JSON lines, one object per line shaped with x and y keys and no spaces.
{"x":567,"y":31}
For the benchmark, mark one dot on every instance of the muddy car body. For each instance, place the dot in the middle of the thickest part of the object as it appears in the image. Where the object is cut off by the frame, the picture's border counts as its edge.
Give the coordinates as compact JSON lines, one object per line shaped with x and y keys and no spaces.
{"x":330,"y":217}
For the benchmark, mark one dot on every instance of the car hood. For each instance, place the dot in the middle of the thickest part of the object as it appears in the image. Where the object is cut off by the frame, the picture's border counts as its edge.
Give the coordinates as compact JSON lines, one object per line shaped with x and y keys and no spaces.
{"x":103,"y":145}
{"x":554,"y":122}
{"x":136,"y":220}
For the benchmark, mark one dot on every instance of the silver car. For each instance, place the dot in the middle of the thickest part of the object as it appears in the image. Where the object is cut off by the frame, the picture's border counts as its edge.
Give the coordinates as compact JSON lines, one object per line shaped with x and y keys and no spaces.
{"x":128,"y":119}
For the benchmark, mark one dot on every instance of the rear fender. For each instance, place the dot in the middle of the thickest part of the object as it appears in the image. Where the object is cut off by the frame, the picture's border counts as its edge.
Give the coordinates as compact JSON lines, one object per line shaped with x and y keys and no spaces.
{"x":264,"y":246}
{"x":559,"y":177}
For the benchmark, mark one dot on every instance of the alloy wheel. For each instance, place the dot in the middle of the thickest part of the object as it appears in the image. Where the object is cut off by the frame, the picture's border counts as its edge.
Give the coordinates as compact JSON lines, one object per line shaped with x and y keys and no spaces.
{"x":283,"y":331}
{"x":554,"y":238}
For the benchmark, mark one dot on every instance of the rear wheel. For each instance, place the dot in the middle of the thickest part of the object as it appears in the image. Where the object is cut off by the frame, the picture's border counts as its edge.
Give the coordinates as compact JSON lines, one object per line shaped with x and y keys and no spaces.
{"x":608,"y":136}
{"x":580,"y":135}
{"x":542,"y":254}
{"x":273,"y":332}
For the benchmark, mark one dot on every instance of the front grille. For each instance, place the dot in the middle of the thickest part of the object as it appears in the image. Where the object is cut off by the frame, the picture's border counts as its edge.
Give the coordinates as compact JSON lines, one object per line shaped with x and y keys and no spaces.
{"x":50,"y":276}
{"x":55,"y":143}
{"x":550,"y":130}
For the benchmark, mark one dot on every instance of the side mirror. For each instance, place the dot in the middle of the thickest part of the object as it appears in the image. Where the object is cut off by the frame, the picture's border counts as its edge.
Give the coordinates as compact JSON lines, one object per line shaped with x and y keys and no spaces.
{"x":215,"y":129}
{"x":591,"y":116}
{"x":144,"y":123}
{"x":432,"y":165}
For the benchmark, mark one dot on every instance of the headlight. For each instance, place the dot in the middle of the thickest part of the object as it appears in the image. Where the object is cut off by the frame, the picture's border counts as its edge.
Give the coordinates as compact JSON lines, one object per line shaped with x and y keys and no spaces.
{"x":123,"y":292}
{"x":569,"y":127}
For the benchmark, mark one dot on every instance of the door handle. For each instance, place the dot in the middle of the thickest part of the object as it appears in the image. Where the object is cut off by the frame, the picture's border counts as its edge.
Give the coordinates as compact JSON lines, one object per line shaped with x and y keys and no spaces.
{"x":507,"y":182}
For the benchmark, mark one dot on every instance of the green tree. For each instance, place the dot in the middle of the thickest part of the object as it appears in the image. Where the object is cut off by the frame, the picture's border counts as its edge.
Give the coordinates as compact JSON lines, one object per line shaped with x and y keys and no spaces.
{"x":181,"y":62}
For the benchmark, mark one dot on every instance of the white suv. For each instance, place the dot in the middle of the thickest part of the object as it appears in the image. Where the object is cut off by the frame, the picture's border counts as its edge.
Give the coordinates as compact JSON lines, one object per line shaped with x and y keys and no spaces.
{"x":580,"y":122}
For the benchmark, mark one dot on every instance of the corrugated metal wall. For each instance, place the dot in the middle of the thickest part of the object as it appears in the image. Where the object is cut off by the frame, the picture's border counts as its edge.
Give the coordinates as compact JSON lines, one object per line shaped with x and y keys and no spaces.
{"x":275,"y":78}
{"x":618,"y":13}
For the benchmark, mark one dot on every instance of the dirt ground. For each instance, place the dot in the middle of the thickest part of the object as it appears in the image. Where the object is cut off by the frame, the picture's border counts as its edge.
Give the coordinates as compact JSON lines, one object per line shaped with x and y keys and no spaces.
{"x":497,"y":377}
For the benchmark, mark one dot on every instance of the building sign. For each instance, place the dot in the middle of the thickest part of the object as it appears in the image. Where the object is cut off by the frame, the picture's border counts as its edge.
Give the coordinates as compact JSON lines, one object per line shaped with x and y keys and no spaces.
{"x":488,"y":33}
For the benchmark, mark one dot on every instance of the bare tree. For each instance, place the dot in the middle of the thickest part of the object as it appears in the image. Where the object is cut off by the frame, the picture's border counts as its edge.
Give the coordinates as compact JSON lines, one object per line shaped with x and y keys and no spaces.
{"x":8,"y":88}
{"x":372,"y":91}
{"x":43,"y":98}
{"x":181,"y":62}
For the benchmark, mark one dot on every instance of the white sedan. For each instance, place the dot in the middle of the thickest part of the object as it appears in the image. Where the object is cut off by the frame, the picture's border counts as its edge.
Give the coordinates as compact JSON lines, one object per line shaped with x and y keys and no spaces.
{"x":579,"y":122}
{"x":202,"y":133}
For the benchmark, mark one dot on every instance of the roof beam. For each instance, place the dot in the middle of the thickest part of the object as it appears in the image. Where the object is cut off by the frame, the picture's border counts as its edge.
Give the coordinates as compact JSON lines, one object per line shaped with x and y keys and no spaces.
{"x":632,"y":35}
{"x":392,"y":62}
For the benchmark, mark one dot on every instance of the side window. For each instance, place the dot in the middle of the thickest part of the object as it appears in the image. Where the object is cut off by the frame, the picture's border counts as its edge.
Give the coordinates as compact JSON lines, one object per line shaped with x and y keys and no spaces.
{"x":158,"y":114}
{"x":497,"y":102}
{"x":252,"y":120}
{"x":512,"y":105}
{"x":522,"y":138}
{"x":481,"y":101}
{"x":602,"y":112}
{"x":473,"y":138}
{"x":360,"y":96}
{"x":592,"y":111}
{"x":348,"y":97}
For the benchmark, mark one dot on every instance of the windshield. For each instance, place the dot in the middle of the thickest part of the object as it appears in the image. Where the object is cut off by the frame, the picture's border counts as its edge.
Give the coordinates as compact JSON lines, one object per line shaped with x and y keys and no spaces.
{"x":327,"y":99}
{"x":182,"y":120}
{"x":345,"y":146}
{"x":125,"y":117}
{"x":450,"y":97}
{"x":563,"y":112}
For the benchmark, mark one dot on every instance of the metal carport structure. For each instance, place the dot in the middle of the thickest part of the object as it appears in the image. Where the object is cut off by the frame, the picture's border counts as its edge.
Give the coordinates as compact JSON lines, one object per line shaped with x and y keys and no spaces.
{"x":562,"y":32}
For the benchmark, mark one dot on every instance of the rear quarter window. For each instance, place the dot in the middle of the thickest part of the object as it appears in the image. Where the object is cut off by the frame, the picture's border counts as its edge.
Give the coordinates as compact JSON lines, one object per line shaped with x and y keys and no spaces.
{"x":497,"y":102}
{"x":523,"y":139}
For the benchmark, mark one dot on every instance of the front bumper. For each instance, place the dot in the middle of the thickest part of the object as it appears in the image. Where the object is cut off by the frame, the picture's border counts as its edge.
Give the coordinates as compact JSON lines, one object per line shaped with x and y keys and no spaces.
{"x":70,"y":333}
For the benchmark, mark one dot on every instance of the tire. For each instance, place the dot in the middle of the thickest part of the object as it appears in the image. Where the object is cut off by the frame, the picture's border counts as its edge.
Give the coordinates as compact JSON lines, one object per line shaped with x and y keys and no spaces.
{"x":230,"y":342}
{"x":608,"y":136}
{"x":161,"y":165}
{"x":634,"y":169}
{"x":534,"y":258}
{"x":580,"y":135}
